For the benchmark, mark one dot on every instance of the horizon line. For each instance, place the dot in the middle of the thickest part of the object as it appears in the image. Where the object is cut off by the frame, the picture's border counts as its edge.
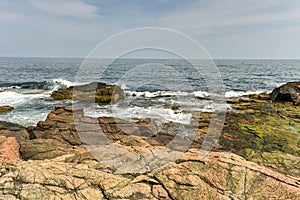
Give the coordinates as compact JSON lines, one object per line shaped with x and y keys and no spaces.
{"x":141,"y":58}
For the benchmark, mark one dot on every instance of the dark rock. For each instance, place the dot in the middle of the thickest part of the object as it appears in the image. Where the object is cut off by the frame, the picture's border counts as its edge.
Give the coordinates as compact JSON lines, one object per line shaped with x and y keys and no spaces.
{"x":9,"y":129}
{"x":93,"y":92}
{"x":39,"y":149}
{"x":11,"y":126}
{"x":289,"y":92}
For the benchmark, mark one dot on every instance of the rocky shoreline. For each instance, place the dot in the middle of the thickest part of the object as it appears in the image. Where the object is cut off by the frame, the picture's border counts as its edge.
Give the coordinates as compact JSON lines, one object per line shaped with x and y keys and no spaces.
{"x":257,"y":156}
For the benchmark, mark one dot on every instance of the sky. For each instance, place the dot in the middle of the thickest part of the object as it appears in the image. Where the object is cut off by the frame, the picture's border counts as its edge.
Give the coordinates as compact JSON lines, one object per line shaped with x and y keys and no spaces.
{"x":236,"y":29}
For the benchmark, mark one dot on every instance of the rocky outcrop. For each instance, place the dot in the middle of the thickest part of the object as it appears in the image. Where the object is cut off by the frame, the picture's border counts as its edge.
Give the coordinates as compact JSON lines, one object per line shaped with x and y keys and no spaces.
{"x":57,"y":164}
{"x":289,"y":92}
{"x":93,"y":92}
{"x":5,"y":108}
{"x":218,"y":176}
{"x":9,"y":149}
{"x":58,"y":135}
{"x":257,"y":131}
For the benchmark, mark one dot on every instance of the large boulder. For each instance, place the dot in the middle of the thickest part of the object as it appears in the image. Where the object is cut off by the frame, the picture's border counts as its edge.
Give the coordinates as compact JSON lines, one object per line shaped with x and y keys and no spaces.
{"x":289,"y":92}
{"x":93,"y":92}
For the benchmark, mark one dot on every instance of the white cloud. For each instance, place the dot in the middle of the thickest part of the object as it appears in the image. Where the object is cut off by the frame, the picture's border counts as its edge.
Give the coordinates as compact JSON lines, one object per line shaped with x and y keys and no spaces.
{"x":200,"y":20}
{"x":74,"y":8}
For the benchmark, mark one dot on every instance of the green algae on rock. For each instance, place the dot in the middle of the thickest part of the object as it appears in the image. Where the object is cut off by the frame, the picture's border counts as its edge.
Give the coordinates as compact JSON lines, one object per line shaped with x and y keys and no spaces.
{"x":264,"y":132}
{"x":93,"y":92}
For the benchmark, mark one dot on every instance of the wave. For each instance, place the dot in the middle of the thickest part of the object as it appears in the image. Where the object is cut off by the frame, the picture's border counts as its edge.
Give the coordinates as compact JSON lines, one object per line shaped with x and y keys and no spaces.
{"x":14,"y":99}
{"x":163,"y":114}
{"x":201,"y":94}
{"x":241,"y":93}
{"x":54,"y":84}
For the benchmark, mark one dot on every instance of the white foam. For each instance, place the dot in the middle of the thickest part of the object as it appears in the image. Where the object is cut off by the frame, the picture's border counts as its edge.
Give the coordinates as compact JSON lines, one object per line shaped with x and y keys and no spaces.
{"x":280,"y":84}
{"x":11,"y":98}
{"x":25,"y":118}
{"x":202,"y":94}
{"x":59,"y":83}
{"x":163,"y":114}
{"x":23,"y":114}
{"x":148,"y":94}
{"x":240,"y":93}
{"x":10,"y":88}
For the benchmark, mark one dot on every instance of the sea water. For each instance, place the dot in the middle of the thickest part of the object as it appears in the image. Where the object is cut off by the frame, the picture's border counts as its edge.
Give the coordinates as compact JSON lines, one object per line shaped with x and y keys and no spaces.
{"x":26,"y":84}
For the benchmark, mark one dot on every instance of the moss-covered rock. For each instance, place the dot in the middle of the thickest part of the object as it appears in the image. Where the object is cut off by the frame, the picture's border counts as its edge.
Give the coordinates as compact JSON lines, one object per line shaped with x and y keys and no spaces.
{"x":264,"y":132}
{"x":93,"y":92}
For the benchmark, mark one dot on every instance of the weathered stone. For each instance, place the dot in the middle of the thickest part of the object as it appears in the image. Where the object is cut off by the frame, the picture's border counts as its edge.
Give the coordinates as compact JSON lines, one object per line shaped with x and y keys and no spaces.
{"x":20,"y":136}
{"x":289,"y":92}
{"x":39,"y":149}
{"x":217,"y":176}
{"x":9,"y":129}
{"x":9,"y":149}
{"x":92,"y":92}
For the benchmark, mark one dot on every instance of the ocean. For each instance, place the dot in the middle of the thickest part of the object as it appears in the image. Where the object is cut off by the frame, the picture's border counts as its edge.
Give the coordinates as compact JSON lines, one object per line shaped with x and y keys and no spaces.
{"x":26,"y":84}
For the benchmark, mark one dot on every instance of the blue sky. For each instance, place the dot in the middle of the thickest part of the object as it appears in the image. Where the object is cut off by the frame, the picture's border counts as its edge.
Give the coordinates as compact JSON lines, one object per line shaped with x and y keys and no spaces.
{"x":226,"y":29}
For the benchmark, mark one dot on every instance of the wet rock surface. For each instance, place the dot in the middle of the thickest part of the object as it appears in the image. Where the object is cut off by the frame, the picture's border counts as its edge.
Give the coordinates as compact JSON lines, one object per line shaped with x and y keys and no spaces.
{"x":5,"y":108}
{"x":93,"y":92}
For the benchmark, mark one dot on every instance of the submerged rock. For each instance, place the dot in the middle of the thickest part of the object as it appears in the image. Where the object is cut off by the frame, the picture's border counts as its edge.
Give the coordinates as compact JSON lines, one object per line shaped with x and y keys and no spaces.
{"x":93,"y":92}
{"x":5,"y":108}
{"x":289,"y":92}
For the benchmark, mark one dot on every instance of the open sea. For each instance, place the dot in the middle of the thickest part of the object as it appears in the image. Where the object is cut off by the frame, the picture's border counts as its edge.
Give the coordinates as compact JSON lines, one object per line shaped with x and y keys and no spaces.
{"x":152,"y":86}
